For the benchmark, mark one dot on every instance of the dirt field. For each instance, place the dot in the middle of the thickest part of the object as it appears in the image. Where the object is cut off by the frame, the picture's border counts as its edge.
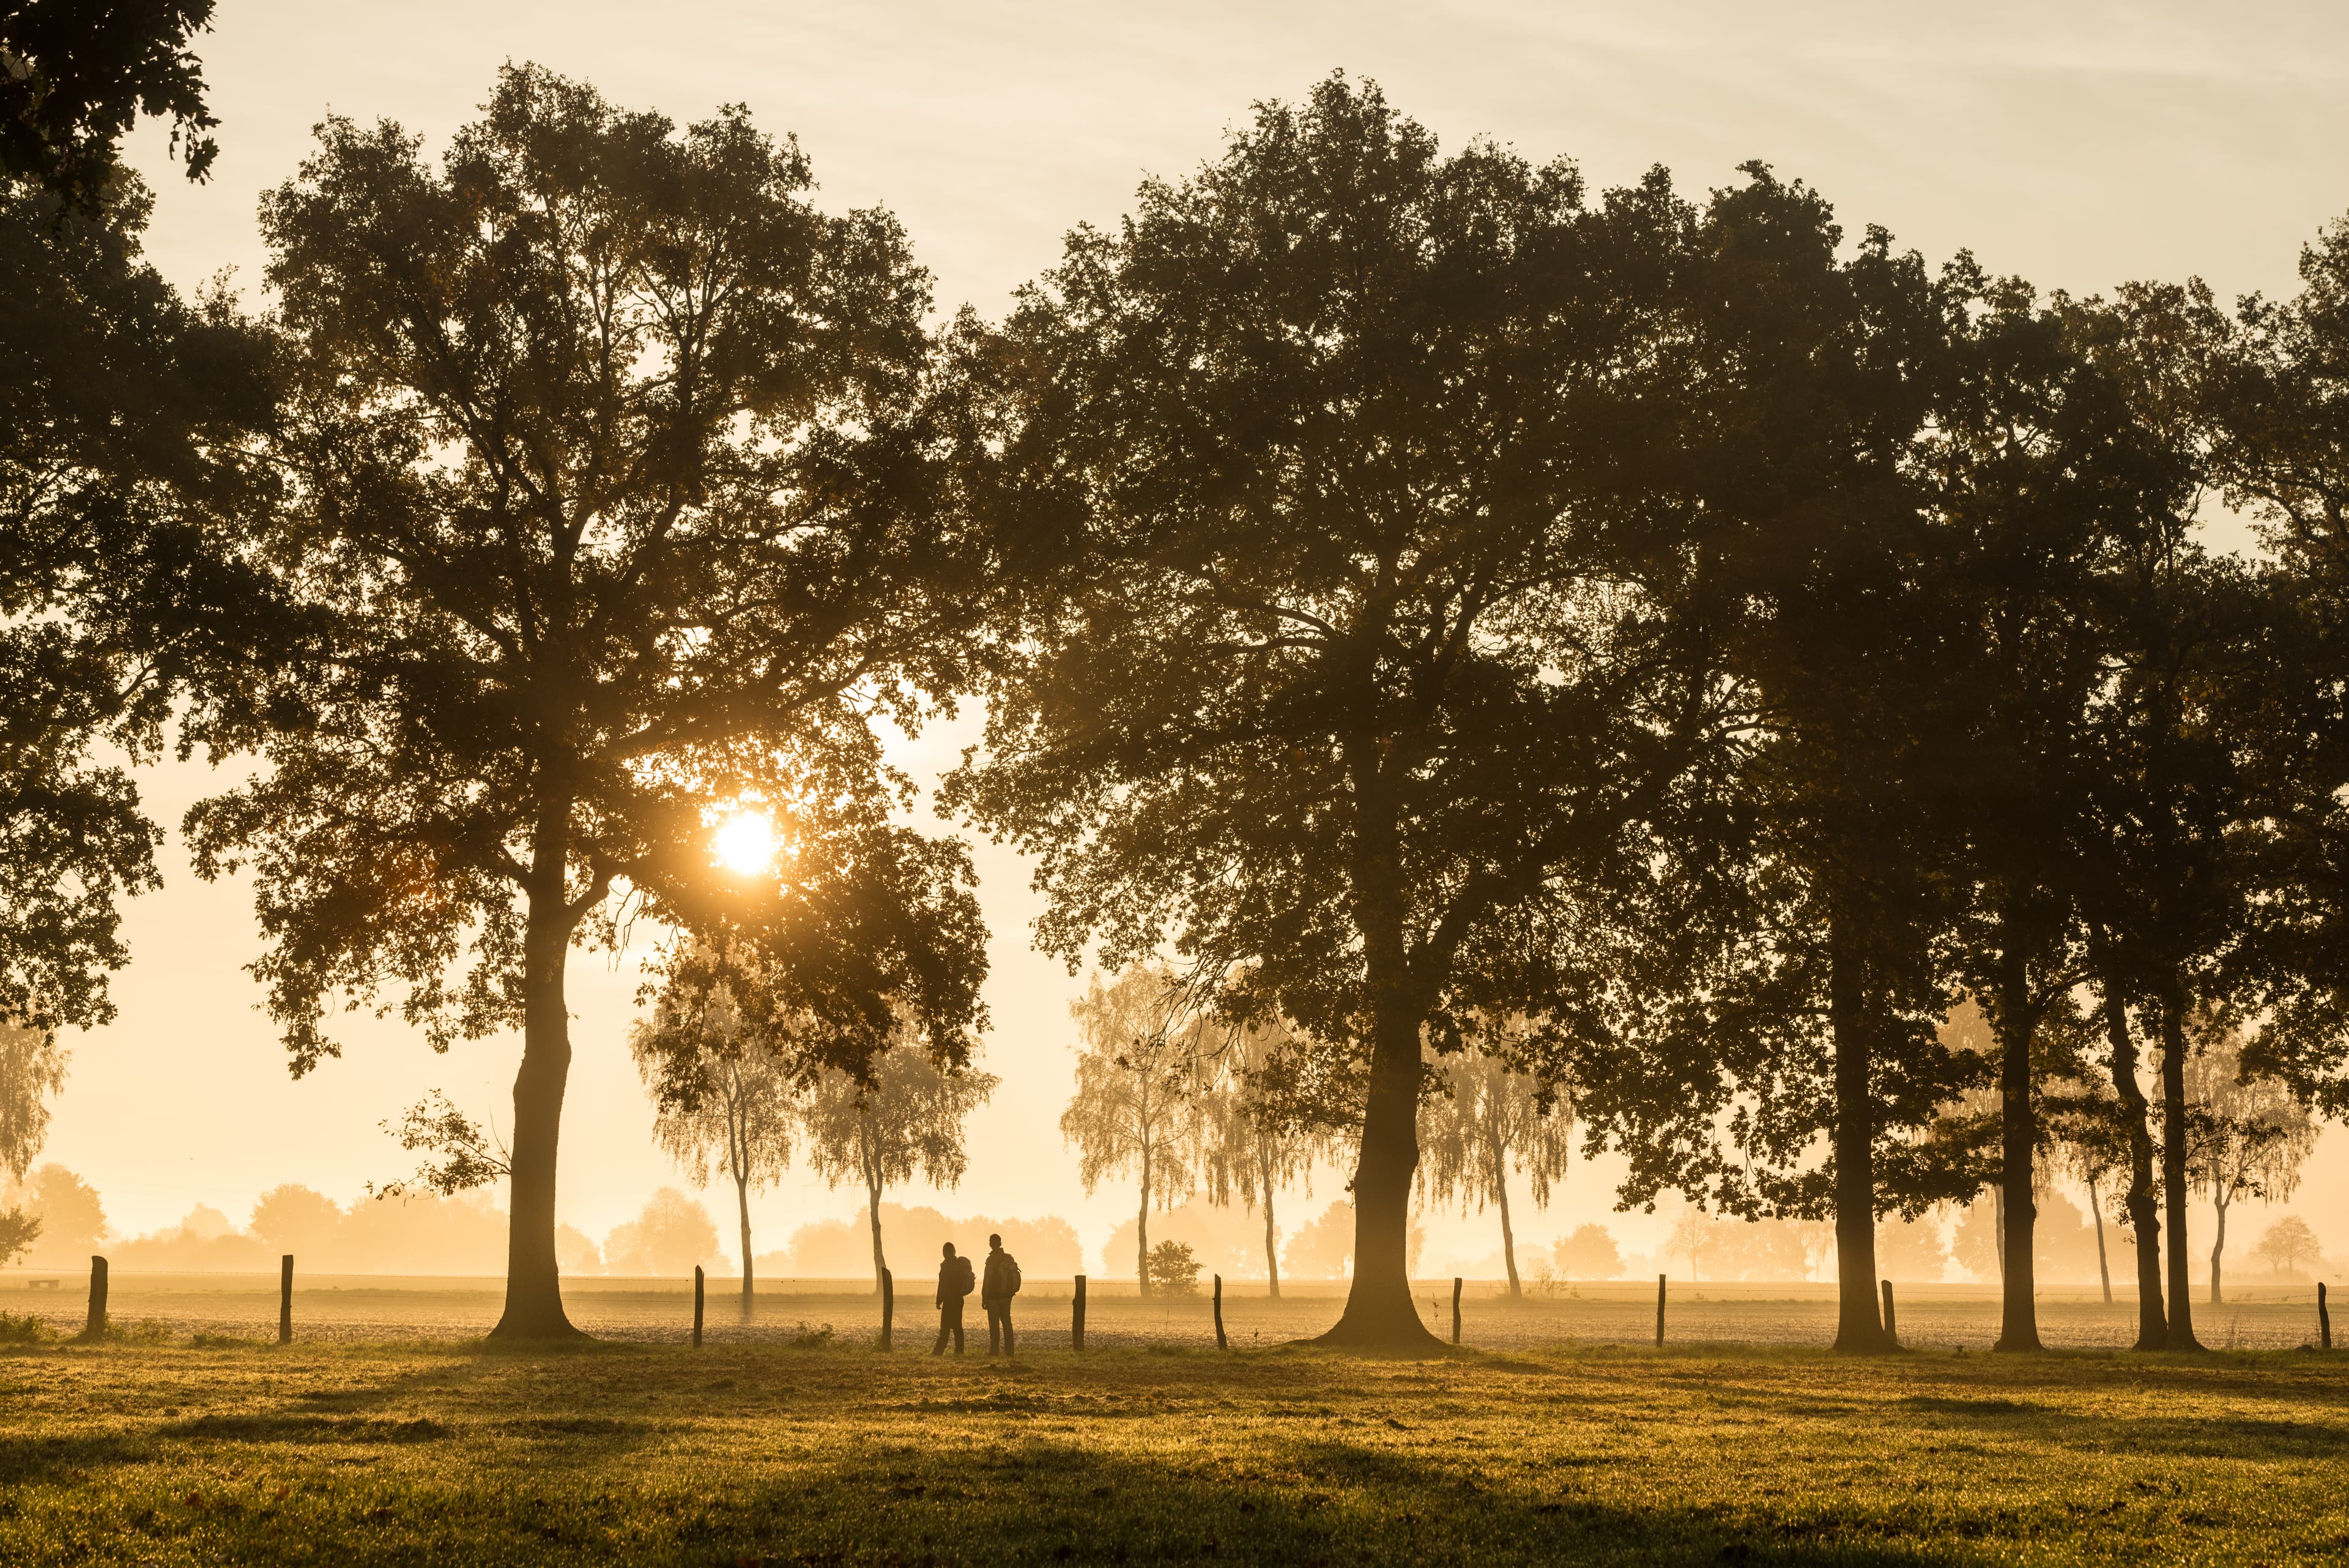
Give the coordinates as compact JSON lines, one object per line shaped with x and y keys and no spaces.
{"x":361,"y":1309}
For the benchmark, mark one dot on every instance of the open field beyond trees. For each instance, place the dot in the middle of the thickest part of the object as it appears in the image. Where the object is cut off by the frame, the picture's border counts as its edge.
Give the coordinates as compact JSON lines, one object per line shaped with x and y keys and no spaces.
{"x":373,"y":1308}
{"x":152,"y":1449}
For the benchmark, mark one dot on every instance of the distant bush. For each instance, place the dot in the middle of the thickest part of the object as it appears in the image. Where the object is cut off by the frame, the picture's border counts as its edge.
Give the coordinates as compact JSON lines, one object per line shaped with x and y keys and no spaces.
{"x":1173,"y":1269}
{"x":1589,"y":1253}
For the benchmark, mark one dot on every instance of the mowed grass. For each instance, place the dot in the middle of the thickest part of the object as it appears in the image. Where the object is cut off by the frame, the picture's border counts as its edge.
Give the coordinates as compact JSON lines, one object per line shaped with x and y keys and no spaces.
{"x":219,"y":1452}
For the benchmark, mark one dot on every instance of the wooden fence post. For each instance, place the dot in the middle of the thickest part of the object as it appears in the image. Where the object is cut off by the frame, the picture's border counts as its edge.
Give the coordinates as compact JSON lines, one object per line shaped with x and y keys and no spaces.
{"x":1077,"y":1317}
{"x":1660,"y":1312}
{"x":95,"y":1328}
{"x":1891,"y":1332}
{"x":2323,"y":1319}
{"x":1220,"y":1343}
{"x":285,"y":1299}
{"x":888,"y":1306}
{"x":1456,"y":1309}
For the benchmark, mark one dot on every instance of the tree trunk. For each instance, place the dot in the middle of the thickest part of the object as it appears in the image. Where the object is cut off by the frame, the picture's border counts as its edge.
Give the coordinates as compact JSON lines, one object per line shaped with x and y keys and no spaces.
{"x":873,"y":1218}
{"x":2018,"y":1147}
{"x":1859,"y":1327}
{"x":2219,"y":1201}
{"x":2104,"y":1269}
{"x":2173,"y":1163}
{"x":1378,"y":1308}
{"x":1142,"y":1232}
{"x":1508,"y":1235}
{"x":1998,"y":1228}
{"x":2145,"y":1221}
{"x":743,"y":1203}
{"x":1271,"y":1258}
{"x":534,"y":1307}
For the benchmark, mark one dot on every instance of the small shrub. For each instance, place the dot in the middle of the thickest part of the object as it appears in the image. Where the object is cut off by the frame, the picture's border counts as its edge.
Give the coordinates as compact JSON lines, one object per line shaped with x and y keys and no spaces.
{"x":1173,"y":1269}
{"x":25,"y":1330}
{"x":806,"y":1338}
{"x":146,"y":1331}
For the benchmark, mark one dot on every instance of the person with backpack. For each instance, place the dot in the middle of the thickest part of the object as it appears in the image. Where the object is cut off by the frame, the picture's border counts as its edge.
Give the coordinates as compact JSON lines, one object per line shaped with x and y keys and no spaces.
{"x":954,"y":1283}
{"x":1003,"y":1284}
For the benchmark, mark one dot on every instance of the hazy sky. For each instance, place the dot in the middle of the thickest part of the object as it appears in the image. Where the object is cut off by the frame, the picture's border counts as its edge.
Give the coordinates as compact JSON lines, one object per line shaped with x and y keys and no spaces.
{"x":2079,"y":144}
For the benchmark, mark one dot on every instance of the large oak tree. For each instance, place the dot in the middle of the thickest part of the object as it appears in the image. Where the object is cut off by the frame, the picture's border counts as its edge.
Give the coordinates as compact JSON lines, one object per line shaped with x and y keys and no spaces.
{"x":613,"y":479}
{"x":1374,"y":666}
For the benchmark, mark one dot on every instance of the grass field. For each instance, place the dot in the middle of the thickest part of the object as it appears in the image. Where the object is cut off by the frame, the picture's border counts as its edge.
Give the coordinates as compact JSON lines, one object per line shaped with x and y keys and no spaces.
{"x":155,"y":1449}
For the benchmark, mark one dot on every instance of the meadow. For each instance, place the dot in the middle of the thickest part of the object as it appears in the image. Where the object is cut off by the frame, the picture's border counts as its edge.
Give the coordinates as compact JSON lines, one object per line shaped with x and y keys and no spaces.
{"x":785,"y":1443}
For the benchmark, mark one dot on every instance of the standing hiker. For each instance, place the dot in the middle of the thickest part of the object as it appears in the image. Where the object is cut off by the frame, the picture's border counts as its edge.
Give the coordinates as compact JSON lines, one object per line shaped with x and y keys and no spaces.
{"x":1003,"y":1284}
{"x":954,"y":1283}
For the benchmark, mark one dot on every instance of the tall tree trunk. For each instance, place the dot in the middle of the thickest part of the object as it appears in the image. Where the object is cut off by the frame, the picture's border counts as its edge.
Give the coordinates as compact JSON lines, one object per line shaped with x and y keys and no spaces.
{"x":1859,"y":1327}
{"x":2018,"y":1147}
{"x":2173,"y":1163}
{"x":534,"y":1307}
{"x":2104,"y":1269}
{"x":873,"y":1218}
{"x":2144,"y":1216}
{"x":1508,"y":1235}
{"x":2219,"y":1201}
{"x":1271,"y":1258}
{"x":743,"y":1203}
{"x":1379,"y":1306}
{"x":1142,"y":1231}
{"x":1998,"y":1228}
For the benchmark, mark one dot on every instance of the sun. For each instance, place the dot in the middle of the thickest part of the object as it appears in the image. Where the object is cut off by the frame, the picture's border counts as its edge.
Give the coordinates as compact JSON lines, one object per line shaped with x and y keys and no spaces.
{"x":746,"y":843}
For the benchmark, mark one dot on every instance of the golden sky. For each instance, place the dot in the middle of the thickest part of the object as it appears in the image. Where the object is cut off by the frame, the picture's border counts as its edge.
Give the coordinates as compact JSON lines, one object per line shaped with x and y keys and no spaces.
{"x":2076,"y":144}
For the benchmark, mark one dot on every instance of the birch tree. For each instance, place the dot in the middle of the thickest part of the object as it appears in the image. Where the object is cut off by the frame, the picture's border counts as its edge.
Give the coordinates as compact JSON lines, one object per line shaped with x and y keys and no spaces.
{"x":723,"y":1097}
{"x":2245,"y":1137}
{"x":1140,"y":1084}
{"x":1489,"y":1119}
{"x":1254,"y":1142}
{"x":906,"y":1117}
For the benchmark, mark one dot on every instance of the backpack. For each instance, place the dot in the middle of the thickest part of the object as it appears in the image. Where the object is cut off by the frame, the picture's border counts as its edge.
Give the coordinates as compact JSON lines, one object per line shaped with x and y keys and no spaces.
{"x":1011,"y":1274}
{"x":963,"y":1281}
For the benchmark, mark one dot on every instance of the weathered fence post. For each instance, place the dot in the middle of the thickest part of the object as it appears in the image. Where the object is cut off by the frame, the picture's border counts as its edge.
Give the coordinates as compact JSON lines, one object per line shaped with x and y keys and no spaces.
{"x":888,"y":1305}
{"x":696,"y":1306}
{"x":1456,"y":1309}
{"x":1890,"y":1332}
{"x":1660,"y":1312}
{"x":95,"y":1328}
{"x":2323,"y":1319}
{"x":1220,"y":1343}
{"x":1077,"y":1317}
{"x":285,"y":1299}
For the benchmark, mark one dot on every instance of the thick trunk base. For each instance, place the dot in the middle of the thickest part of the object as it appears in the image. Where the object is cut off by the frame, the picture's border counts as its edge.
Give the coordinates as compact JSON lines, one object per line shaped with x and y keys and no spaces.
{"x":1391,"y":1325}
{"x":530,"y":1317}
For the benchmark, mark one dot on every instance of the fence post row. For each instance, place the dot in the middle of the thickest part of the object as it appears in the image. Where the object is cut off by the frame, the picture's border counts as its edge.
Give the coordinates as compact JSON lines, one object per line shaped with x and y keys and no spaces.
{"x":2323,"y":1319}
{"x":285,"y":1299}
{"x":1220,"y":1343}
{"x":888,"y":1306}
{"x":1077,"y":1317}
{"x":1890,"y":1332}
{"x":696,"y":1306}
{"x":1660,"y":1312}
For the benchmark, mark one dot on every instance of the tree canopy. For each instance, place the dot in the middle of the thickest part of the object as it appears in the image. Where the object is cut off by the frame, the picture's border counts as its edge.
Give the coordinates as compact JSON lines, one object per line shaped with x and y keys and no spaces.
{"x":616,"y":485}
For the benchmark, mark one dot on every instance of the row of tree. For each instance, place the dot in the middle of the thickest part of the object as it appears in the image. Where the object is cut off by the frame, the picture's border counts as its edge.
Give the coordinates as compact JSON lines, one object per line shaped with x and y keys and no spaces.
{"x":1438,"y":607}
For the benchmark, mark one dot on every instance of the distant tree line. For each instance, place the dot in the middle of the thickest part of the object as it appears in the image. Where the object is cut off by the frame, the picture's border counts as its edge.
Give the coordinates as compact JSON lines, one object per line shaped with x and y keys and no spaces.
{"x":1515,"y":656}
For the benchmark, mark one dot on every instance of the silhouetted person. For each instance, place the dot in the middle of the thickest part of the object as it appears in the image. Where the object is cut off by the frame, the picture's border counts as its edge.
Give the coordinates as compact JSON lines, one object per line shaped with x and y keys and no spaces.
{"x":1002,"y":1282}
{"x":954,"y":1283}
